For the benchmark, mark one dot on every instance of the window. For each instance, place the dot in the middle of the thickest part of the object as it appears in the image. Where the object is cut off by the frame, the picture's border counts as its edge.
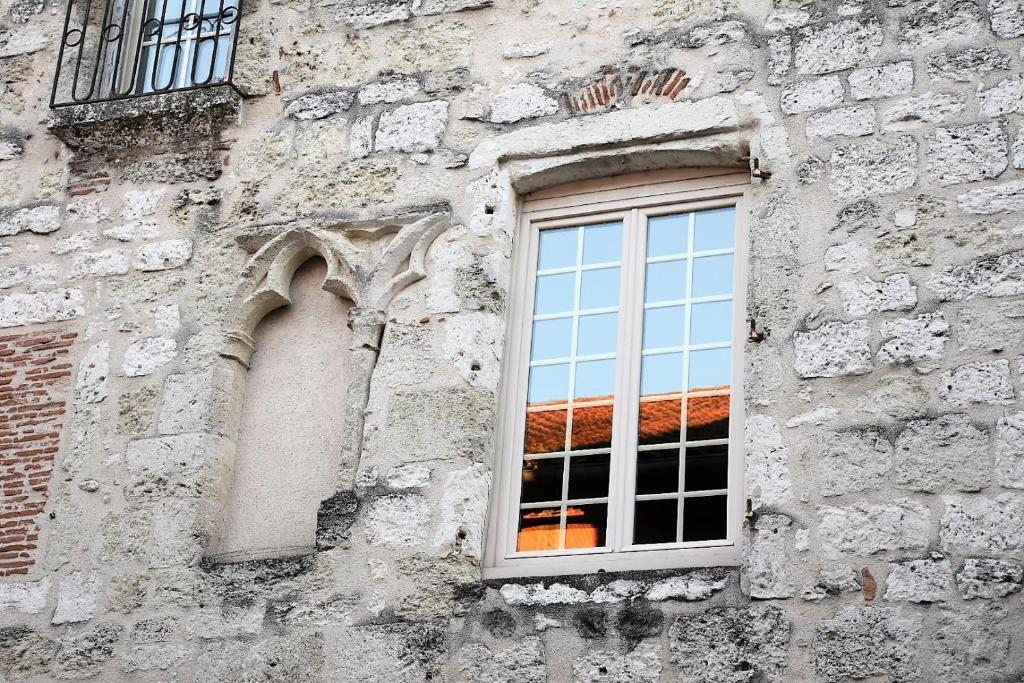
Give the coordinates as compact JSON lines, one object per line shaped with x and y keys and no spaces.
{"x":622,"y":416}
{"x":184,"y":43}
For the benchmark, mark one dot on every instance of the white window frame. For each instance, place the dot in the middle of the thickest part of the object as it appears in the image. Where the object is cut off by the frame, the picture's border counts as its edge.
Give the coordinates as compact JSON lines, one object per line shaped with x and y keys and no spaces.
{"x":629,"y":198}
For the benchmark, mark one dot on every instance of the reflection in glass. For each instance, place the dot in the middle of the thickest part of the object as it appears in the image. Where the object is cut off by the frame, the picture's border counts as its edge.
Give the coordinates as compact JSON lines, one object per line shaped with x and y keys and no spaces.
{"x":592,"y":427}
{"x":545,"y":431}
{"x":597,"y":334}
{"x":585,"y":525}
{"x":711,"y":322}
{"x":555,"y":293}
{"x":551,"y":339}
{"x":549,"y":383}
{"x":704,"y":518}
{"x":599,"y":289}
{"x":660,"y":421}
{"x":710,"y":368}
{"x":714,"y":229}
{"x":602,"y":243}
{"x":657,"y":471}
{"x":707,"y":468}
{"x":588,"y":476}
{"x":668,"y":235}
{"x":539,"y":529}
{"x":664,"y":327}
{"x":595,"y":379}
{"x":712,"y":276}
{"x":666,"y":281}
{"x":558,"y":248}
{"x":542,"y":480}
{"x":661,"y":373}
{"x":707,"y":417}
{"x":654,"y":521}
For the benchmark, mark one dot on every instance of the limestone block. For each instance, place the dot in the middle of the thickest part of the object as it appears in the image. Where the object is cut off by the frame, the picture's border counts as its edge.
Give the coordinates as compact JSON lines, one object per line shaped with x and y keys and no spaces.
{"x":863,"y":642}
{"x":77,"y":597}
{"x":1005,"y":97}
{"x":520,"y":101}
{"x":361,"y":138}
{"x":692,"y":586}
{"x":978,"y":383}
{"x":525,"y":49}
{"x":141,"y":203}
{"x":944,"y":453}
{"x":971,"y":644}
{"x":642,"y":665}
{"x":88,"y":210}
{"x":1007,"y":17}
{"x":99,"y":264}
{"x":186,"y":403}
{"x":91,"y":384}
{"x":730,"y":644}
{"x":939,"y":23}
{"x":164,"y":255}
{"x":767,"y":570}
{"x":874,"y":168}
{"x":867,"y":529}
{"x":144,"y":356}
{"x":1001,"y":275}
{"x":524,"y":662}
{"x":876,"y":82}
{"x":919,"y":340}
{"x":389,"y":90}
{"x":319,"y":105}
{"x":780,"y":56}
{"x":84,"y":239}
{"x":852,"y":460}
{"x":473,"y":343}
{"x":845,"y":121}
{"x":989,"y":524}
{"x":463,"y":513}
{"x":361,"y":14}
{"x":919,"y":581}
{"x":832,"y":581}
{"x":412,"y":127}
{"x":135,"y":231}
{"x":175,"y":537}
{"x":83,"y":653}
{"x":42,"y":219}
{"x":1017,"y":150}
{"x":152,"y":656}
{"x":25,"y":652}
{"x":294,"y":657}
{"x":993,"y":199}
{"x":184,"y":466}
{"x":895,"y":293}
{"x":837,"y":46}
{"x":929,"y":107}
{"x":406,"y":477}
{"x":990,"y":328}
{"x":963,"y":154}
{"x":397,"y":521}
{"x":538,"y":594}
{"x":384,"y":653}
{"x":12,"y":144}
{"x":767,"y":473}
{"x":28,"y":598}
{"x":41,"y":307}
{"x":967,"y":65}
{"x":990,"y":579}
{"x":229,"y":619}
{"x":851,"y":257}
{"x":1009,"y":450}
{"x":833,"y":350}
{"x":810,"y":95}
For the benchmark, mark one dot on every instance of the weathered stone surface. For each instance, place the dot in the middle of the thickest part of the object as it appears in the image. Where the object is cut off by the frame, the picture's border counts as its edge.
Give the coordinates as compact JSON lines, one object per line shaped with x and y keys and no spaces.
{"x":294,"y":658}
{"x":397,"y":521}
{"x":919,"y":581}
{"x":866,"y":529}
{"x":24,"y":652}
{"x":99,"y":264}
{"x":920,"y":340}
{"x":27,"y":598}
{"x":412,"y":127}
{"x":1009,"y":450}
{"x":846,"y":121}
{"x":895,"y":293}
{"x":929,"y":107}
{"x":642,"y":665}
{"x":767,"y":568}
{"x":397,"y":653}
{"x":767,"y":480}
{"x":524,"y":662}
{"x":944,"y":453}
{"x":186,"y":402}
{"x":694,"y":585}
{"x":525,"y":49}
{"x":861,"y":642}
{"x":82,"y":653}
{"x":851,"y":257}
{"x":873,"y":169}
{"x":1005,"y":97}
{"x":163,"y":255}
{"x":521,"y":101}
{"x":962,"y":154}
{"x":978,"y":383}
{"x":832,"y":581}
{"x":833,"y":350}
{"x":852,"y":460}
{"x":811,"y":95}
{"x":939,"y":23}
{"x":77,"y":597}
{"x":1001,"y":275}
{"x":730,"y":644}
{"x":146,"y":355}
{"x":185,"y":466}
{"x":319,"y":105}
{"x":92,"y":384}
{"x":990,"y":579}
{"x":42,"y":219}
{"x":990,"y":328}
{"x":41,"y":307}
{"x":1007,"y":18}
{"x":837,"y":46}
{"x":877,"y":82}
{"x":141,"y":203}
{"x":464,"y":511}
{"x":970,"y":644}
{"x":967,"y":65}
{"x":389,"y":90}
{"x":983,"y":524}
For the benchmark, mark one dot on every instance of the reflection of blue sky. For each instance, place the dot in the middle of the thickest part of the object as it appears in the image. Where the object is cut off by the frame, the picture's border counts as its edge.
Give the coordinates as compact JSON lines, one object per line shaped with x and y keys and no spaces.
{"x":597,"y":334}
{"x":595,"y":378}
{"x":551,"y":339}
{"x":711,"y":322}
{"x":600,"y":288}
{"x":558,"y":248}
{"x":664,"y":327}
{"x":555,"y":293}
{"x":666,"y":281}
{"x":668,"y":235}
{"x":710,"y":368}
{"x":714,"y":229}
{"x":712,"y":275}
{"x":549,"y":383}
{"x":602,"y":243}
{"x":661,"y":373}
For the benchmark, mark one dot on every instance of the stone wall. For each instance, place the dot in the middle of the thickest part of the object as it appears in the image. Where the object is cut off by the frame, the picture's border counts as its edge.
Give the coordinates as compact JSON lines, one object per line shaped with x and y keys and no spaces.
{"x":885,"y":423}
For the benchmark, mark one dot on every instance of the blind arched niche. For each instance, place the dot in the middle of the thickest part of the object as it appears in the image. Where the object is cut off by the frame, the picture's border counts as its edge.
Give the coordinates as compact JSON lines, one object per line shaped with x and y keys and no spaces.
{"x":290,"y":429}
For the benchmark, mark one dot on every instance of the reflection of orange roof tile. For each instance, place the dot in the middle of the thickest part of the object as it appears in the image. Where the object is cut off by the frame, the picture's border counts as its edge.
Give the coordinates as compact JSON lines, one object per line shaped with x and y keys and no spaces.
{"x":592,"y":425}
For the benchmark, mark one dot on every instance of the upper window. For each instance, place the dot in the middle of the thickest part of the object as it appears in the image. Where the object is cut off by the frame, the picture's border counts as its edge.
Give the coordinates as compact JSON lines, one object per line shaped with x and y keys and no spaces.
{"x":622,"y":423}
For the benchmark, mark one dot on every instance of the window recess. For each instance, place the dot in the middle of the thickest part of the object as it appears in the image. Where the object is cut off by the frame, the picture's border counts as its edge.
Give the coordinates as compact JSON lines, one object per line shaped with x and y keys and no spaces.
{"x":622,"y":418}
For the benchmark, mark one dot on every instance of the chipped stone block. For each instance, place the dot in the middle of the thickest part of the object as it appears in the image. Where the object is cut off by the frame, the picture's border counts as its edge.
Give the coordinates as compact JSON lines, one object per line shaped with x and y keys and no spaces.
{"x":99,"y":264}
{"x":361,"y":138}
{"x":412,"y":127}
{"x":464,"y":511}
{"x":919,"y":581}
{"x":929,"y":107}
{"x":397,"y":521}
{"x":141,"y":203}
{"x":175,"y":537}
{"x":767,"y":474}
{"x":695,"y":585}
{"x":853,"y":460}
{"x":939,"y":23}
{"x":28,"y":598}
{"x":867,"y":529}
{"x":1005,"y":97}
{"x":1001,"y":275}
{"x":186,"y":403}
{"x":833,"y":350}
{"x":1009,"y":450}
{"x":642,"y":665}
{"x":1007,"y":17}
{"x":730,"y":644}
{"x":136,"y":231}
{"x":389,"y":90}
{"x":78,"y":241}
{"x":876,"y":82}
{"x":978,"y":383}
{"x":919,"y":340}
{"x":164,"y":255}
{"x":983,"y":524}
{"x":967,"y":65}
{"x":767,"y":567}
{"x":520,"y":101}
{"x":944,"y":453}
{"x":845,"y":121}
{"x":184,"y":466}
{"x":963,"y":154}
{"x":993,"y":199}
{"x":863,"y":642}
{"x":319,"y":105}
{"x":41,"y":307}
{"x":990,"y":328}
{"x":525,"y":49}
{"x":811,"y":95}
{"x":82,"y":653}
{"x":895,"y":293}
{"x":989,"y":579}
{"x":780,"y":56}
{"x":851,"y":257}
{"x":41,"y":220}
{"x":77,"y":597}
{"x":832,"y":581}
{"x":837,"y":46}
{"x":91,"y":384}
{"x":229,"y":619}
{"x":294,"y":657}
{"x":146,"y":355}
{"x":25,"y":652}
{"x":524,"y":662}
{"x":874,"y":168}
{"x":540,"y":595}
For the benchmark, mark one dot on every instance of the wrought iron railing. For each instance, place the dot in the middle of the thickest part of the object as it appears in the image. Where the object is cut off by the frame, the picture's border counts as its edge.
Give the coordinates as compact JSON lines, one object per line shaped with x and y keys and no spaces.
{"x":116,"y":49}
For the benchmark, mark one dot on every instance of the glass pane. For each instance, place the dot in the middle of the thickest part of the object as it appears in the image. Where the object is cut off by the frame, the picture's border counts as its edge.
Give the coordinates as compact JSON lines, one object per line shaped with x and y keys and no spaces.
{"x":657,"y":472}
{"x":664,"y":327}
{"x":666,"y":281}
{"x":600,"y":289}
{"x":668,"y":235}
{"x":545,"y":431}
{"x":659,"y":421}
{"x":585,"y":525}
{"x":539,"y":529}
{"x":201,"y":70}
{"x":707,"y":467}
{"x":558,"y":248}
{"x":592,"y":427}
{"x":602,"y":243}
{"x":707,"y":417}
{"x":223,"y":57}
{"x":549,"y":383}
{"x":704,"y":518}
{"x":588,"y":476}
{"x":712,"y":275}
{"x":711,"y":322}
{"x":710,"y":368}
{"x":542,"y":480}
{"x":661,"y":374}
{"x":555,"y":293}
{"x":597,"y":334}
{"x":551,"y":339}
{"x":595,"y":379}
{"x":714,"y":229}
{"x":655,"y":521}
{"x":165,"y":8}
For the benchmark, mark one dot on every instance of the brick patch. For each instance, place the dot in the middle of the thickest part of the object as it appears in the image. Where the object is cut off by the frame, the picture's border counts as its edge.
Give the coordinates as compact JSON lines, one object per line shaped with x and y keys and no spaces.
{"x":35,"y":376}
{"x":615,"y":84}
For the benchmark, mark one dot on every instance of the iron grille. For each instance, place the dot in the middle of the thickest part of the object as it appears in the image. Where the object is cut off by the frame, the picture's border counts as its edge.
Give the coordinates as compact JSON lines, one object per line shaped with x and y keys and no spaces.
{"x":116,"y":49}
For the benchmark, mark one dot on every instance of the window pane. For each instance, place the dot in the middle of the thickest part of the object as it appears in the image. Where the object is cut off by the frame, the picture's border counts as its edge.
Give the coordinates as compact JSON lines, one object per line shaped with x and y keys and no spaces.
{"x":711,"y":322}
{"x":655,"y":521}
{"x":666,"y":281}
{"x":201,"y":70}
{"x":664,"y":327}
{"x":542,"y":480}
{"x":585,"y":525}
{"x":710,"y":368}
{"x":659,"y":421}
{"x":668,"y":235}
{"x":600,"y":288}
{"x":661,"y":374}
{"x":539,"y":529}
{"x":657,"y":472}
{"x":549,"y":383}
{"x":712,"y":275}
{"x":592,"y":427}
{"x":545,"y":431}
{"x":707,"y":467}
{"x":715,"y":229}
{"x":602,"y":243}
{"x":551,"y":339}
{"x":595,"y":379}
{"x":707,"y":417}
{"x":588,"y":476}
{"x":555,"y":293}
{"x":597,"y":334}
{"x":704,"y":518}
{"x":558,"y":248}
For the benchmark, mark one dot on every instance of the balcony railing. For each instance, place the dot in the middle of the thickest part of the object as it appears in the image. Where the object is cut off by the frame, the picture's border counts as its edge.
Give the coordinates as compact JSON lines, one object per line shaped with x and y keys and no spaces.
{"x":116,"y":49}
